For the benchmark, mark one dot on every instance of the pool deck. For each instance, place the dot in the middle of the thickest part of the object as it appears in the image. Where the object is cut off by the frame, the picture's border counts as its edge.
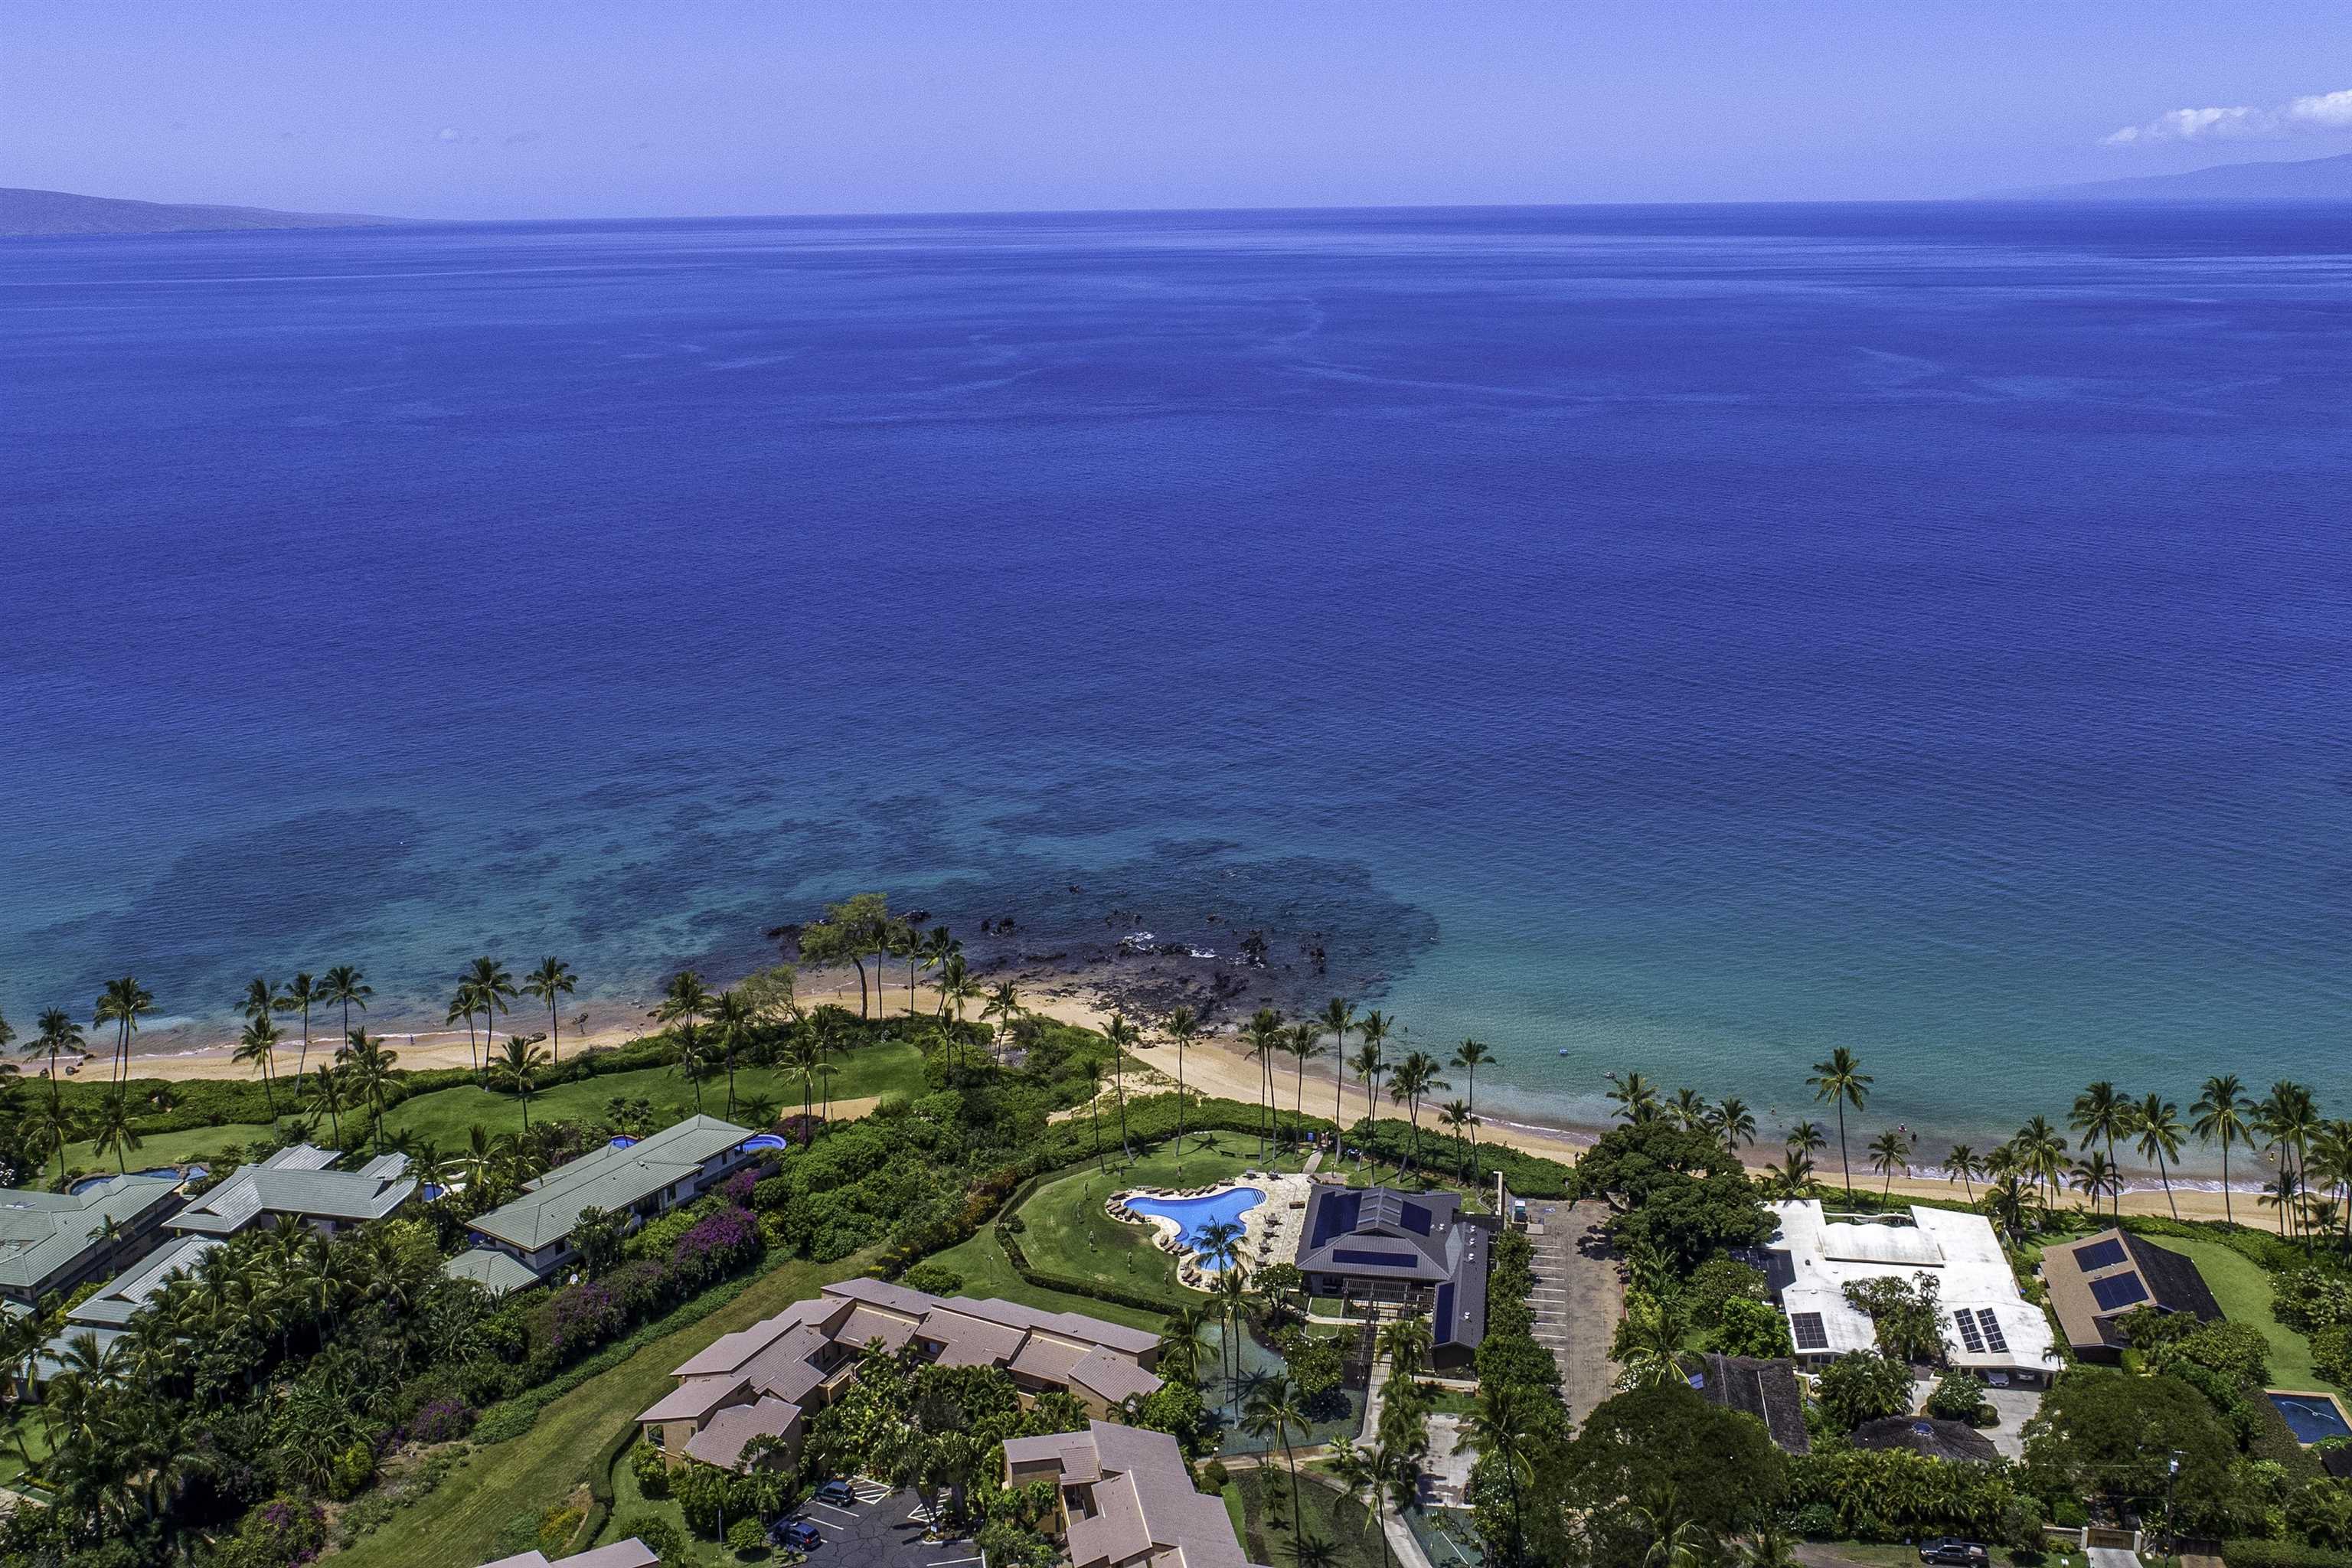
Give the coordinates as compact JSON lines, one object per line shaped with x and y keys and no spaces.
{"x":1270,"y":1230}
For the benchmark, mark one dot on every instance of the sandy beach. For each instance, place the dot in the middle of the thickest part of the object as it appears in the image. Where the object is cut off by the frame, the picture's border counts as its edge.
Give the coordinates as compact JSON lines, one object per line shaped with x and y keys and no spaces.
{"x":1213,"y":1066}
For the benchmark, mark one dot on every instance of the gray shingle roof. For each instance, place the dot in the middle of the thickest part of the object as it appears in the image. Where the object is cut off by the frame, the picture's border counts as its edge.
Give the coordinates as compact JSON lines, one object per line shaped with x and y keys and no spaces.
{"x":124,"y":1297}
{"x":45,"y":1236}
{"x":610,"y":1179}
{"x":493,"y":1271}
{"x":297,"y":1181}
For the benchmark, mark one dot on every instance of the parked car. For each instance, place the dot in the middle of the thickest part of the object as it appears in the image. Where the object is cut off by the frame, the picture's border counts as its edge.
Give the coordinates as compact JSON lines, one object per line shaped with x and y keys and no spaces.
{"x":797,"y":1533}
{"x":840,"y":1494}
{"x":1952,"y":1550}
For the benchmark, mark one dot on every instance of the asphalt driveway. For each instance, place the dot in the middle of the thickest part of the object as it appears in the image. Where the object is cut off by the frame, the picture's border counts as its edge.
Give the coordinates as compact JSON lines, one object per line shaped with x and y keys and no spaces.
{"x":882,"y":1530}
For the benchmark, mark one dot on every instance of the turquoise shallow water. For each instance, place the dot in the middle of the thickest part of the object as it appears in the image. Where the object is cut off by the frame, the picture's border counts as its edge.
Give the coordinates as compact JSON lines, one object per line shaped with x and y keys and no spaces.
{"x":1681,"y":639}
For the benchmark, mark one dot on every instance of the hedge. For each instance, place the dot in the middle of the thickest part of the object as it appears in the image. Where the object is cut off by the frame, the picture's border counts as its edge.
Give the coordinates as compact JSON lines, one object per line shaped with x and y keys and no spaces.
{"x":600,"y":1485}
{"x":2250,"y":1553}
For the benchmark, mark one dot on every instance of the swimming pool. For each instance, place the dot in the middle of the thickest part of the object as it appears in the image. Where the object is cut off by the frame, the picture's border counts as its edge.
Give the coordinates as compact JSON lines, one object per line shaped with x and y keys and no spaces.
{"x":2311,"y":1416}
{"x":760,"y":1142}
{"x":1195,"y":1215}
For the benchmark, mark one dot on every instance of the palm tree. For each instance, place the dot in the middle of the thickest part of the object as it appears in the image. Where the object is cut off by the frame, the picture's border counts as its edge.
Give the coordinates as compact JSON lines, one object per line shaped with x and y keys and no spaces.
{"x":1182,"y":1024}
{"x":1003,"y":1005}
{"x":1736,"y":1124}
{"x":1415,"y":1075}
{"x":693,"y":1061}
{"x":1264,"y":1035}
{"x":1648,"y":1350}
{"x":257,"y":1047}
{"x":1807,"y":1138}
{"x":1184,"y":1340}
{"x":2099,"y":1114}
{"x":54,"y":1127}
{"x":261,"y":998}
{"x":298,"y":998}
{"x":1276,"y":1407}
{"x":493,"y":989}
{"x":1370,"y":1067}
{"x":519,"y":1063}
{"x":464,"y":1003}
{"x":1690,"y":1111}
{"x":1676,"y":1540}
{"x":2221,"y":1115}
{"x":2094,"y":1175}
{"x":1841,"y":1081}
{"x":1500,"y":1428}
{"x":684,"y":1001}
{"x":1792,"y":1178}
{"x":123,"y":1003}
{"x":1340,"y":1019}
{"x":1888,"y":1153}
{"x":1305,"y":1045}
{"x":2288,"y":1118}
{"x":56,"y":1034}
{"x":1122,"y":1037}
{"x":327,"y":1094}
{"x":1965,"y":1167}
{"x":2042,"y":1153}
{"x":367,"y":1073}
{"x":1456,"y":1118}
{"x":552,"y":978}
{"x":116,"y":1132}
{"x":1635,"y":1097}
{"x":731,"y":1020}
{"x":937,"y":948}
{"x":2157,"y":1123}
{"x":347,"y":988}
{"x":1364,"y":1475}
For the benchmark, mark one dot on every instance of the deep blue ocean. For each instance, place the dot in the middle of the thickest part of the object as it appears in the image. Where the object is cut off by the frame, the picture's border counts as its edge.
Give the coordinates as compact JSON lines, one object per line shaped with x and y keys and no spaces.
{"x":1681,"y":639}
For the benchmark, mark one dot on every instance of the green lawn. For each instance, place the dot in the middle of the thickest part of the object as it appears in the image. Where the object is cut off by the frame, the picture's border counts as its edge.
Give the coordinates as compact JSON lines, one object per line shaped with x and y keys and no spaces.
{"x":167,"y":1148}
{"x":987,"y":1272}
{"x":1268,"y":1532}
{"x":2243,"y":1291}
{"x":1066,"y":1232}
{"x":463,"y":1517}
{"x":446,"y":1116}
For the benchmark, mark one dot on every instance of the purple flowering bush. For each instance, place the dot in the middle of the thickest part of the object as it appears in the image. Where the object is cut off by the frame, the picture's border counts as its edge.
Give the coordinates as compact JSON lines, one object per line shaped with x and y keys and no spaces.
{"x":442,"y":1420}
{"x":577,"y":1319}
{"x":281,"y":1533}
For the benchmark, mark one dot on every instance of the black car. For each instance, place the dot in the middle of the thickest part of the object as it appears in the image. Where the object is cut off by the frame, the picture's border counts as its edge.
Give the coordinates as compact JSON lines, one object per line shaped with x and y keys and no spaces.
{"x":841,"y":1494}
{"x":1952,"y":1550}
{"x":797,"y":1533}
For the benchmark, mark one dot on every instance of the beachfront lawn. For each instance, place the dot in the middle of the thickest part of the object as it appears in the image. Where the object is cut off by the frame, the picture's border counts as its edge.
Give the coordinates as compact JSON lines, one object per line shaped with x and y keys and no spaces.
{"x":462,"y":1518}
{"x":1270,"y":1530}
{"x":446,"y":1116}
{"x":168,"y":1148}
{"x":1065,"y":1231}
{"x":2242,"y":1289}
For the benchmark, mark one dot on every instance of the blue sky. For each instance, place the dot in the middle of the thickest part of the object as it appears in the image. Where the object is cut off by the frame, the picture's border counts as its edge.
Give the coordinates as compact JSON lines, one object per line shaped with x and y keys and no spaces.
{"x":490,"y":110}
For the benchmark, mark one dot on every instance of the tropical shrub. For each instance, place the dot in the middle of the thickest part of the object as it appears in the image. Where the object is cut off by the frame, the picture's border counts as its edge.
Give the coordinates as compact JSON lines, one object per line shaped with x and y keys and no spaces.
{"x":651,"y":1467}
{"x":1958,"y":1396}
{"x":280,"y":1532}
{"x":2104,"y":1433}
{"x":746,"y":1535}
{"x":1863,"y":1386}
{"x":1750,"y":1329}
{"x":659,"y":1535}
{"x":1716,"y":1283}
{"x":1904,"y":1313}
{"x":1885,"y":1493}
{"x":2331,"y":1353}
{"x":935,"y":1278}
{"x":442,"y":1420}
{"x":2310,"y":1299}
{"x":1673,"y":1192}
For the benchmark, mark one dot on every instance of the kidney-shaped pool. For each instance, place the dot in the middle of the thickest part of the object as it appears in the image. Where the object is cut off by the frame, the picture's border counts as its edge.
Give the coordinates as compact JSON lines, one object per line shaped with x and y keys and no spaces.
{"x":1194,"y":1216}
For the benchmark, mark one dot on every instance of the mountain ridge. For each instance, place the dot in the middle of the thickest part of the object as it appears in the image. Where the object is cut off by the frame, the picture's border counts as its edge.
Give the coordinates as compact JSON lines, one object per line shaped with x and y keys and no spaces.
{"x":2294,"y":179}
{"x":26,"y":212}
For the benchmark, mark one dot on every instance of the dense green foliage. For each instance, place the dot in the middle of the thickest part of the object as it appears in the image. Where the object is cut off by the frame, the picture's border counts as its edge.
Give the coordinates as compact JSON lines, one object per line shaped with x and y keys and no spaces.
{"x":1673,"y":1191}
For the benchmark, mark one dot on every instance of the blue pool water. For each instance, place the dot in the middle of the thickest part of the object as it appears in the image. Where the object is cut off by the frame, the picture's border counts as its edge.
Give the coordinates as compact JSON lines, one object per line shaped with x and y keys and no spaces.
{"x":1673,"y":639}
{"x":1195,"y":1215}
{"x":2313,"y":1417}
{"x":762,"y":1142}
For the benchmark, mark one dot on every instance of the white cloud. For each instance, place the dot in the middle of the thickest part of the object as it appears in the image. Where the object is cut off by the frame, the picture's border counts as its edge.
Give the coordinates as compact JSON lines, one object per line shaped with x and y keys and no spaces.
{"x":2314,"y":111}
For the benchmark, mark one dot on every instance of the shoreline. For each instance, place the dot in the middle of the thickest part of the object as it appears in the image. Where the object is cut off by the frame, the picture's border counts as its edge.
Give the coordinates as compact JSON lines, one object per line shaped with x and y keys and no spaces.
{"x":1214,"y":1066}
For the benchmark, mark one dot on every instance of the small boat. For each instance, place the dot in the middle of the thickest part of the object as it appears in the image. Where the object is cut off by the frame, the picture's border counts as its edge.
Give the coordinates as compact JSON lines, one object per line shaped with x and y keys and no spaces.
{"x":1564,"y":1050}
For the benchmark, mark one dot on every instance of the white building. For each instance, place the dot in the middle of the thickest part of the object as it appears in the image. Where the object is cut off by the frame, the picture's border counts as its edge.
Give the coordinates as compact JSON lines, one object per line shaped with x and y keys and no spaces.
{"x":1989,"y":1327}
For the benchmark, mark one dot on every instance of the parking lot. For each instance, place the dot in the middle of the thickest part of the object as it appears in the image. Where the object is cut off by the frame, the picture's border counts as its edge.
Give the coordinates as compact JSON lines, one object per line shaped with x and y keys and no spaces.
{"x":883,"y":1529}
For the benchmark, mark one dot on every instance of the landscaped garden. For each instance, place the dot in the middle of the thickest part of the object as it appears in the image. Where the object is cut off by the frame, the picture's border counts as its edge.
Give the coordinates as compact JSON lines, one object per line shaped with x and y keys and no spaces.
{"x":1271,"y":1528}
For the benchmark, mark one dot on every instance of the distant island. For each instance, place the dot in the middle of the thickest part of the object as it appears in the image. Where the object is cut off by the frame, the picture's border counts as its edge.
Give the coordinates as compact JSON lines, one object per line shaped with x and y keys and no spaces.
{"x":2299,"y":179}
{"x":25,"y":213}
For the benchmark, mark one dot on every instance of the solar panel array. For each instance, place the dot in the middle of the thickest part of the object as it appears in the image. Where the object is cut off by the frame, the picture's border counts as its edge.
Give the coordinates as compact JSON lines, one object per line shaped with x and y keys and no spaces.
{"x":1971,"y":1339}
{"x":1810,"y":1333}
{"x":2105,"y":1255}
{"x":1995,"y":1340}
{"x":2117,"y":1291}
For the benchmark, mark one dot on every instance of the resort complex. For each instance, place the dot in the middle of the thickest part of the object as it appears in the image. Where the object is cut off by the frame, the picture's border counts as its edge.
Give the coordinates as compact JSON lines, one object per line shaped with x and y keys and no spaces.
{"x":1125,"y":1499}
{"x":759,"y":1381}
{"x":921,"y":1292}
